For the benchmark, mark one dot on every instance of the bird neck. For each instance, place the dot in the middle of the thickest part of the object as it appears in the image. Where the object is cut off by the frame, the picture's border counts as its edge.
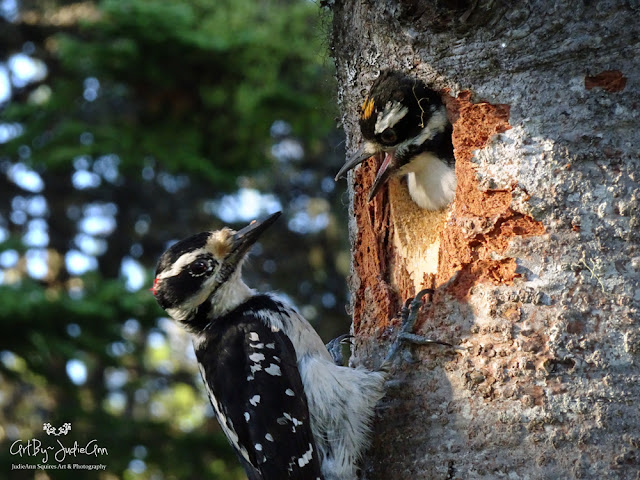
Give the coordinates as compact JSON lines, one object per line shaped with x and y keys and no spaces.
{"x":232,"y":293}
{"x":227,"y":297}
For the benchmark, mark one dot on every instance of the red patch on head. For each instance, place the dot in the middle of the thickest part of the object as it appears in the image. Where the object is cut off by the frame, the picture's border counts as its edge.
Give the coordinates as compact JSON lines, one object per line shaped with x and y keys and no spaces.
{"x":155,"y":285}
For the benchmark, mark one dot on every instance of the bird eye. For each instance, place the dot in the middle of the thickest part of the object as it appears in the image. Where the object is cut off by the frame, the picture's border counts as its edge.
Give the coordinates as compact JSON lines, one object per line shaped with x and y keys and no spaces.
{"x":199,"y":267}
{"x":388,"y":136}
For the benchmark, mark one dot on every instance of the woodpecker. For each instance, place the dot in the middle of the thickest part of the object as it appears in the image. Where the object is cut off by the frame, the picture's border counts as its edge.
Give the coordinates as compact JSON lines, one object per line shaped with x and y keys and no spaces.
{"x":404,"y":124}
{"x":285,"y":406}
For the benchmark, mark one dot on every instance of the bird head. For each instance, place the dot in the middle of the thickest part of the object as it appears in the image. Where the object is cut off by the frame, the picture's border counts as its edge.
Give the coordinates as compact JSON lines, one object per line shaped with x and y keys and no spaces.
{"x":400,"y":118}
{"x":201,"y":269}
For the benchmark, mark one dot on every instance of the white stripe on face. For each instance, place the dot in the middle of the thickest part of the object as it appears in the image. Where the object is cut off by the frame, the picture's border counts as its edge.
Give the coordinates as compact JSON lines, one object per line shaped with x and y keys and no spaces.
{"x":393,"y":112}
{"x":184,"y":260}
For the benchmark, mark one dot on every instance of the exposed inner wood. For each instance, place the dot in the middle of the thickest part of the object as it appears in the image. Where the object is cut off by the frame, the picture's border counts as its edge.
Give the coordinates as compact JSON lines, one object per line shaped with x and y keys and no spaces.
{"x":401,"y":248}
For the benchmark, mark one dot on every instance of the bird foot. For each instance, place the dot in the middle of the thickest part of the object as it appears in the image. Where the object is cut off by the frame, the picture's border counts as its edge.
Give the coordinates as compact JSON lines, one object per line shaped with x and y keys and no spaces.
{"x":336,"y":348}
{"x":409,"y":316}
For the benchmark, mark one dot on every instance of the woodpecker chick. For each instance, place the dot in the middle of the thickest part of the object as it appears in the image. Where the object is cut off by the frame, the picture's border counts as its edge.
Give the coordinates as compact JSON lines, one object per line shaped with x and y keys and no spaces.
{"x":286,"y":408}
{"x":404,"y":124}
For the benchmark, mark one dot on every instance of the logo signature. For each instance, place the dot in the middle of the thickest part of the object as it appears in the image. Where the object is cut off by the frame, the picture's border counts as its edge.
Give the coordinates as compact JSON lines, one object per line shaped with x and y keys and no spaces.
{"x":58,"y":452}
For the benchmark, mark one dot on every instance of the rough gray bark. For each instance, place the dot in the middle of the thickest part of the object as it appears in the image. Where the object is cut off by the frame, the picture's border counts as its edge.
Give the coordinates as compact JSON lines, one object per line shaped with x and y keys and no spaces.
{"x":537,"y":262}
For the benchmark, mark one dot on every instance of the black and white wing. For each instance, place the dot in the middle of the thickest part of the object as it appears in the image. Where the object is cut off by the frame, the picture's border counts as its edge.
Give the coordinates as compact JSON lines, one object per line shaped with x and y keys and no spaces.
{"x":256,"y":391}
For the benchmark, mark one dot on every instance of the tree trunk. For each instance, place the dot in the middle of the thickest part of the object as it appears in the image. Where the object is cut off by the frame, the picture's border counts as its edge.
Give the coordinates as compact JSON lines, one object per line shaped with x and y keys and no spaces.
{"x":536,"y":264}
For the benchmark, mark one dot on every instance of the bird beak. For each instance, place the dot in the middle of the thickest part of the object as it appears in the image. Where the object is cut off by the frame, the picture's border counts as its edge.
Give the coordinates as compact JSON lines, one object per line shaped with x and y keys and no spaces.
{"x":243,"y":239}
{"x":366,"y":151}
{"x":385,"y":172}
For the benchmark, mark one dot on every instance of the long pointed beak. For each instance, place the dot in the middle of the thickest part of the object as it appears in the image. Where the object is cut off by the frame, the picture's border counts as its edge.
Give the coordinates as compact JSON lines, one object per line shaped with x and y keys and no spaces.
{"x":243,"y":239}
{"x":366,"y":151}
{"x":385,"y":172}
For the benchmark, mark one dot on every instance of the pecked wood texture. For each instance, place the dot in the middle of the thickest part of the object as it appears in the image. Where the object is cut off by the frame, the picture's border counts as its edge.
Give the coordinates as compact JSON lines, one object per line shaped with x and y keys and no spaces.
{"x":537,"y":262}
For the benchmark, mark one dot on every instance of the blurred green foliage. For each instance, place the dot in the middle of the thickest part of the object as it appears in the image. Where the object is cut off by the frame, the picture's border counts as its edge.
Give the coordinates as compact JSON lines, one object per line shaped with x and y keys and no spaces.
{"x":190,"y":84}
{"x":165,"y":106}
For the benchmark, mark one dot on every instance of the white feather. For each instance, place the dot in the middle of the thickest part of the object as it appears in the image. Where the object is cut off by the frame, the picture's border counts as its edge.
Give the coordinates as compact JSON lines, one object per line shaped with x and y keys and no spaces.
{"x":431,"y":182}
{"x":393,"y":112}
{"x":341,"y":399}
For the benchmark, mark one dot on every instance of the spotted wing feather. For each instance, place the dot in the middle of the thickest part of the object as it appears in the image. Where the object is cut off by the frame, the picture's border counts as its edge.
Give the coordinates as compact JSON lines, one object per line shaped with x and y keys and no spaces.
{"x":250,"y":372}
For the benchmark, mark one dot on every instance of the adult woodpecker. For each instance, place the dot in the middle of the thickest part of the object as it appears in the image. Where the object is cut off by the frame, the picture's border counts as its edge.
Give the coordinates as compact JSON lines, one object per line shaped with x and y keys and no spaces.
{"x":404,"y":123}
{"x":286,"y":408}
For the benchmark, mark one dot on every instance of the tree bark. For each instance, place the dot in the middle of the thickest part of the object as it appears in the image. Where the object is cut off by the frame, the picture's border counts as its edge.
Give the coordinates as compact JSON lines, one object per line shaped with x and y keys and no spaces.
{"x":536,"y":264}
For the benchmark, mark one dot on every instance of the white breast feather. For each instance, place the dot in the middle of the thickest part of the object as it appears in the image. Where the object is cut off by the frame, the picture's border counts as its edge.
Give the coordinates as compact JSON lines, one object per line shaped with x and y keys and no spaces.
{"x":431,"y":182}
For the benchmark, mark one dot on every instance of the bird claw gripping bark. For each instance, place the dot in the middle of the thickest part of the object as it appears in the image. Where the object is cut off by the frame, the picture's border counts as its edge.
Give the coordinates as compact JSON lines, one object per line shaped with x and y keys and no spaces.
{"x":336,"y":348}
{"x":409,"y":316}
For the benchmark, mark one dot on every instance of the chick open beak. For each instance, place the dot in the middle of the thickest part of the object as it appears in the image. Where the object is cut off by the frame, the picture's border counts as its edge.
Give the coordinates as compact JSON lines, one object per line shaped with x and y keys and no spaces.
{"x":385,"y":172}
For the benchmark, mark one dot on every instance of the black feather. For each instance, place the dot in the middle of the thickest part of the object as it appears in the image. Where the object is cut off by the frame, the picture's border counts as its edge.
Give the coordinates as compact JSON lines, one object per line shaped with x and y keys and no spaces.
{"x":240,"y":357}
